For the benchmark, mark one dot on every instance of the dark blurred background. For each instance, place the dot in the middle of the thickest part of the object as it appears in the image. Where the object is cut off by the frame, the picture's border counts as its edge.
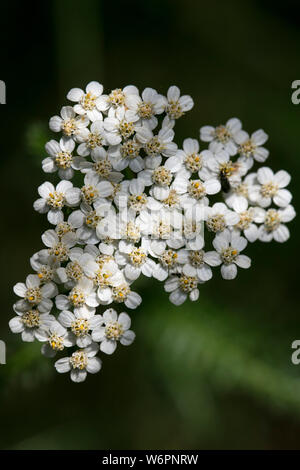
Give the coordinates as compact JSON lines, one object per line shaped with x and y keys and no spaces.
{"x":211,"y":374}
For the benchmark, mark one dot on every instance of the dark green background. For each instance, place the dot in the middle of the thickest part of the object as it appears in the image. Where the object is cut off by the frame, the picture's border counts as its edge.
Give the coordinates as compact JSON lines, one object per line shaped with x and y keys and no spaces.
{"x":213,"y":374}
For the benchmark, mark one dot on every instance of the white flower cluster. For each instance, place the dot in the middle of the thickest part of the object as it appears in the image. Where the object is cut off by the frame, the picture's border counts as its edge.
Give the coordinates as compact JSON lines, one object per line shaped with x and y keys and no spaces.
{"x":139,"y":206}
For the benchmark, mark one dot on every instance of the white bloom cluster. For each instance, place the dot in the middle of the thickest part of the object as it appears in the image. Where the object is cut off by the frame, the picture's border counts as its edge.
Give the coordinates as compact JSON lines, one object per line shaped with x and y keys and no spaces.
{"x":141,"y":207}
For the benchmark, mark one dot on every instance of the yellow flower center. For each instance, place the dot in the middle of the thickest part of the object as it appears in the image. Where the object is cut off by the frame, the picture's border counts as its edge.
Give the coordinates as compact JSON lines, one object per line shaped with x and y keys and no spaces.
{"x":80,"y":327}
{"x":114,"y":331}
{"x":79,"y":360}
{"x":31,"y":319}
{"x":33,"y":295}
{"x":63,"y":160}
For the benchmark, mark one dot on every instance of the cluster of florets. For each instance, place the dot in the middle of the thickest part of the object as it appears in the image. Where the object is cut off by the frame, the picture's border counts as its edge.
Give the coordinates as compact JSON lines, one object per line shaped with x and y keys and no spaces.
{"x":143,"y":207}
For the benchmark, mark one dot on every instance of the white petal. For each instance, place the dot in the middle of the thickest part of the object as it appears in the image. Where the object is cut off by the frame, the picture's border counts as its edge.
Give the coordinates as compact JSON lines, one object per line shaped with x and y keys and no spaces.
{"x":283,"y":198}
{"x":281,"y":234}
{"x":127,"y":338}
{"x":73,"y":196}
{"x":110,"y":315}
{"x":63,"y":365}
{"x":212,"y":258}
{"x":282,"y":178}
{"x":243,"y":261}
{"x":49,"y":290}
{"x":95,"y":88}
{"x":75,"y":94}
{"x":194,"y":295}
{"x":78,"y":375}
{"x":55,"y":216}
{"x":108,"y":346}
{"x":124,"y":320}
{"x":251,"y":233}
{"x":133,"y":300}
{"x":50,"y":238}
{"x":238,"y":243}
{"x":173,"y":93}
{"x":228,"y":271}
{"x":265,"y":175}
{"x":259,"y":137}
{"x":94,"y":365}
{"x":45,"y":188}
{"x":66,"y":318}
{"x":16,"y":325}
{"x":20,"y":289}
{"x":177,"y":297}
{"x":62,"y":302}
{"x":204,"y":273}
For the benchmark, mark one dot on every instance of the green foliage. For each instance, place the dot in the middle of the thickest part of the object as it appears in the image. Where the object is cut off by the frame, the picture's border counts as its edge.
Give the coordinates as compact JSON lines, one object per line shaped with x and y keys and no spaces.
{"x":205,"y":343}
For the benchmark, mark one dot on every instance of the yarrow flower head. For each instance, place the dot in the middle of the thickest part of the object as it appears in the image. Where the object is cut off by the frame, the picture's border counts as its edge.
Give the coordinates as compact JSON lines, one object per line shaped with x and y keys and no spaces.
{"x":140,"y":205}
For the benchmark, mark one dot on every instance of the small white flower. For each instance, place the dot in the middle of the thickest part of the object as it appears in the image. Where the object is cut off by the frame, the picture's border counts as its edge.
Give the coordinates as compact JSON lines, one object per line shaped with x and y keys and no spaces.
{"x":61,"y":158}
{"x":81,"y":324}
{"x":103,"y":165}
{"x":274,"y":224}
{"x":222,"y":136}
{"x":119,"y":125}
{"x":168,"y":260}
{"x":123,"y":293}
{"x":45,"y":267}
{"x":218,"y":165}
{"x":54,"y":199}
{"x":270,"y":188}
{"x":30,"y":322}
{"x":115,"y":328}
{"x":239,"y":194}
{"x":167,"y":200}
{"x":134,"y":260}
{"x":91,"y":140}
{"x":56,"y":338}
{"x":146,"y":107}
{"x":94,"y":190}
{"x":160,"y":177}
{"x":58,"y":247}
{"x":191,"y":160}
{"x":105,"y":274}
{"x":74,"y":269}
{"x":82,"y":296}
{"x":159,"y":225}
{"x":181,"y":288}
{"x":80,"y":363}
{"x":250,"y":148}
{"x":133,"y":197}
{"x":86,"y":220}
{"x":64,"y":227}
{"x":176,"y":105}
{"x":191,"y":230}
{"x":88,"y":102}
{"x":196,"y":191}
{"x":197,"y":263}
{"x":126,"y":227}
{"x":157,"y":145}
{"x":117,"y":98}
{"x":34,"y":294}
{"x":127,"y":154}
{"x":228,"y":246}
{"x":68,"y":123}
{"x":248,"y":220}
{"x":219,"y":217}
